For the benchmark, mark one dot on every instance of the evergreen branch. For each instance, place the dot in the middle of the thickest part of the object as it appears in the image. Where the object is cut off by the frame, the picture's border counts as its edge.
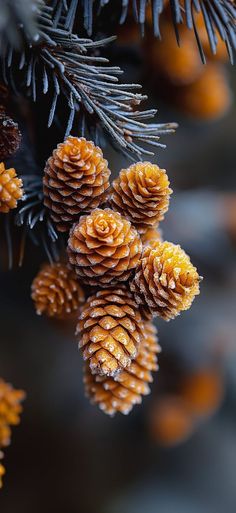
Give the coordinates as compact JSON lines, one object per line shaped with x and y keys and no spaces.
{"x":65,"y":65}
{"x":34,"y":222}
{"x":219,"y":17}
{"x":18,"y":20}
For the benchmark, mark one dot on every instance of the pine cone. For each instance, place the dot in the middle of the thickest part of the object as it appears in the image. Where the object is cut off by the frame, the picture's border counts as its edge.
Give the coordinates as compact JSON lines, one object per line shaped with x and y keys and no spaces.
{"x":209,"y":97}
{"x":171,"y":421}
{"x":165,"y":281}
{"x":141,"y":193}
{"x":76,"y":180}
{"x":2,"y":471}
{"x":5,"y":434}
{"x":203,"y":390}
{"x":10,"y":189}
{"x":122,"y":392}
{"x":10,"y":409}
{"x":178,"y":65}
{"x":10,"y":136}
{"x":56,"y":291}
{"x":103,"y":248}
{"x":110,"y":329}
{"x":152,"y":234}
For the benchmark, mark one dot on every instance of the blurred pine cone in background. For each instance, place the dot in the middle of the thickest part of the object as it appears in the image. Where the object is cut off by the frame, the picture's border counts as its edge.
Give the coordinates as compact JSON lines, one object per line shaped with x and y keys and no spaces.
{"x":10,"y":410}
{"x":209,"y":97}
{"x":56,"y":291}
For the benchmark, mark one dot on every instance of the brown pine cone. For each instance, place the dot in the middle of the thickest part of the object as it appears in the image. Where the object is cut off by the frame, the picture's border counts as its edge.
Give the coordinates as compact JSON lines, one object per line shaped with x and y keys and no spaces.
{"x":103,"y":248}
{"x":10,"y":189}
{"x":122,"y":392}
{"x":141,"y":193}
{"x":110,"y":329}
{"x":76,"y":180}
{"x":165,"y":281}
{"x":56,"y":291}
{"x":10,"y":136}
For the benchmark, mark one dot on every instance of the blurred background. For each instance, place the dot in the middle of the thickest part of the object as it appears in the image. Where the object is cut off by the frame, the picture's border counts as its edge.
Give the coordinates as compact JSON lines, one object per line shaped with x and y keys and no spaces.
{"x":176,"y":452}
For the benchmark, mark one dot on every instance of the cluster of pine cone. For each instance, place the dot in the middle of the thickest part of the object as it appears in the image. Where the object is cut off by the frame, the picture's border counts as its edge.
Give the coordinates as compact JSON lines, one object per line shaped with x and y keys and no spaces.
{"x":119,"y":273}
{"x":10,"y":409}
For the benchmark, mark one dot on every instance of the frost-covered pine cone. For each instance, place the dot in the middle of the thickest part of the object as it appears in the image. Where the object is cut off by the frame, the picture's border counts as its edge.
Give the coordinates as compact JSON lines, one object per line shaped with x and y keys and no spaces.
{"x":110,"y":330}
{"x":141,"y":193}
{"x":11,"y":189}
{"x":103,"y":248}
{"x":122,"y":392}
{"x":76,"y":180}
{"x":165,"y":281}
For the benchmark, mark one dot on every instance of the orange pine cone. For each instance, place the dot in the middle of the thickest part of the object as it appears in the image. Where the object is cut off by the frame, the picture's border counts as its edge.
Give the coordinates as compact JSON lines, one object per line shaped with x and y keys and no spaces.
{"x":76,"y":180}
{"x":179,"y":65}
{"x":171,"y":422}
{"x":56,"y":291}
{"x":165,"y":281}
{"x":110,"y":330}
{"x":5,"y":433}
{"x":2,"y":472}
{"x":203,"y":391}
{"x":11,"y":189}
{"x":150,"y":235}
{"x":209,"y":97}
{"x":141,"y":193}
{"x":122,"y":392}
{"x":103,"y":248}
{"x":10,"y":409}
